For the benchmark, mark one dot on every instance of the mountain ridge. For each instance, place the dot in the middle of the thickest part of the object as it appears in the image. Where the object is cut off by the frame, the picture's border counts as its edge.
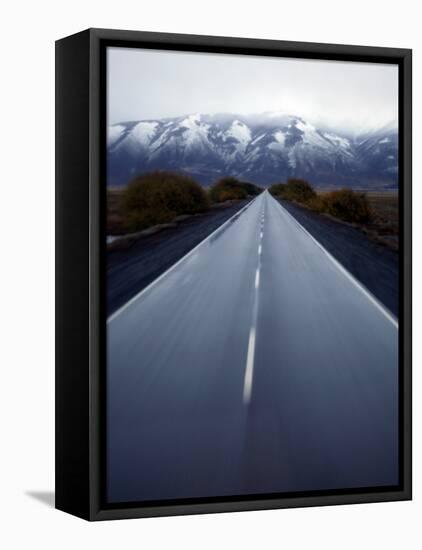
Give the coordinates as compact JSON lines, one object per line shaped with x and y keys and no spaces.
{"x":261,"y":148}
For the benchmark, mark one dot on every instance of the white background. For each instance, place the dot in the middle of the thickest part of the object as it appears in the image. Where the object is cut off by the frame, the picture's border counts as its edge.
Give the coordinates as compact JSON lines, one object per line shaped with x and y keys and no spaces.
{"x":27,"y":273}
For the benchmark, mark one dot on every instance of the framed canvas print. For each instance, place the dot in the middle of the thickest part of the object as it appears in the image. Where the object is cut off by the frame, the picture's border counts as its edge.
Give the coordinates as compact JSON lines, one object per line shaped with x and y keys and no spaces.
{"x":233,"y":274}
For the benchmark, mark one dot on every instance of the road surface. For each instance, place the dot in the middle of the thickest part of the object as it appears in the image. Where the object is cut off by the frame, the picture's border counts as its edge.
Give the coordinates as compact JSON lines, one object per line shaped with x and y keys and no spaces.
{"x":131,"y":270}
{"x":373,"y":264}
{"x":256,"y":364}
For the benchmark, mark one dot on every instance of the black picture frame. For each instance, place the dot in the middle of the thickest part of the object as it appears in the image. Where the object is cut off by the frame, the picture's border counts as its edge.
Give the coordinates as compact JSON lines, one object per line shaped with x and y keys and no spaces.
{"x":80,"y":252}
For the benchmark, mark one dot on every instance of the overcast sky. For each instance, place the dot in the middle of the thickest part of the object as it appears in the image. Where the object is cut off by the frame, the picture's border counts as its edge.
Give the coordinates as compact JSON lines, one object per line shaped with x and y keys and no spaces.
{"x":149,"y":84}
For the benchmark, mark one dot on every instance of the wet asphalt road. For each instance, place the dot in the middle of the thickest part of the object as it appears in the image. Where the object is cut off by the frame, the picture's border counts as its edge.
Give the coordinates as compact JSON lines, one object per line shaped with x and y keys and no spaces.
{"x":131,"y":270}
{"x":256,"y":365}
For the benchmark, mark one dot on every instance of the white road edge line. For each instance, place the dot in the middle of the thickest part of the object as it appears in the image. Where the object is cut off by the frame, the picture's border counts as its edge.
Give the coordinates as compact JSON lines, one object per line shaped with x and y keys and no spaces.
{"x":153,"y":283}
{"x":260,"y":249}
{"x":257,"y":279}
{"x":345,"y":272}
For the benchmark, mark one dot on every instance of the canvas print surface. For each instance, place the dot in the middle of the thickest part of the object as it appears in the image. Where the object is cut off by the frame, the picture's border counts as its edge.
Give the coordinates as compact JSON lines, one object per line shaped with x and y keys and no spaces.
{"x":252,"y":276}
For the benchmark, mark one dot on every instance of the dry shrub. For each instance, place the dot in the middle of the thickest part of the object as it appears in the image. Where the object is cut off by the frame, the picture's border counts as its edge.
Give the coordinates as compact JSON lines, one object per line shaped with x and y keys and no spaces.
{"x":230,"y":188}
{"x":298,"y":190}
{"x":158,"y":197}
{"x":317,"y":203}
{"x":347,"y":205}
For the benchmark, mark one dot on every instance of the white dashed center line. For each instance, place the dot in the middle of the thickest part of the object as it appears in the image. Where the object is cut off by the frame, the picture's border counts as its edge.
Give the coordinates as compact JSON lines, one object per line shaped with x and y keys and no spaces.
{"x":257,"y":279}
{"x":250,"y":359}
{"x":247,"y":387}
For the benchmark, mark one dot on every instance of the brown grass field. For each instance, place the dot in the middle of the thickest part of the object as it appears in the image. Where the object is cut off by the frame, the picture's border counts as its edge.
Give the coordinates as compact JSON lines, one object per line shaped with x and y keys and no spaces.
{"x":115,"y":225}
{"x":384,"y":224}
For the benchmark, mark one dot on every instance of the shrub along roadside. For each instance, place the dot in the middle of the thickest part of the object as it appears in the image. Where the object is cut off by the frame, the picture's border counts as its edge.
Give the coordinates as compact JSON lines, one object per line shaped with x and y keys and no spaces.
{"x":158,"y":197}
{"x":345,"y":204}
{"x":231,"y":189}
{"x":294,"y":190}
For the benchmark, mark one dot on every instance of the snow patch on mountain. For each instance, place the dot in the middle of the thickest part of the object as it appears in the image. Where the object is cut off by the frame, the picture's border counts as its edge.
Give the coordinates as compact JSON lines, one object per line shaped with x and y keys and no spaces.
{"x":144,"y":132}
{"x":280,"y":138}
{"x":114,"y":133}
{"x":191,"y":121}
{"x":292,"y":158}
{"x":338,"y":140}
{"x":241,"y":132}
{"x":193,"y":132}
{"x":310,"y":135}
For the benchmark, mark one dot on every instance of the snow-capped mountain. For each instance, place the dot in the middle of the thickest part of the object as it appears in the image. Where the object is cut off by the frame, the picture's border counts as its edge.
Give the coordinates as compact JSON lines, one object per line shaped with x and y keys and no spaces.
{"x":263,"y":149}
